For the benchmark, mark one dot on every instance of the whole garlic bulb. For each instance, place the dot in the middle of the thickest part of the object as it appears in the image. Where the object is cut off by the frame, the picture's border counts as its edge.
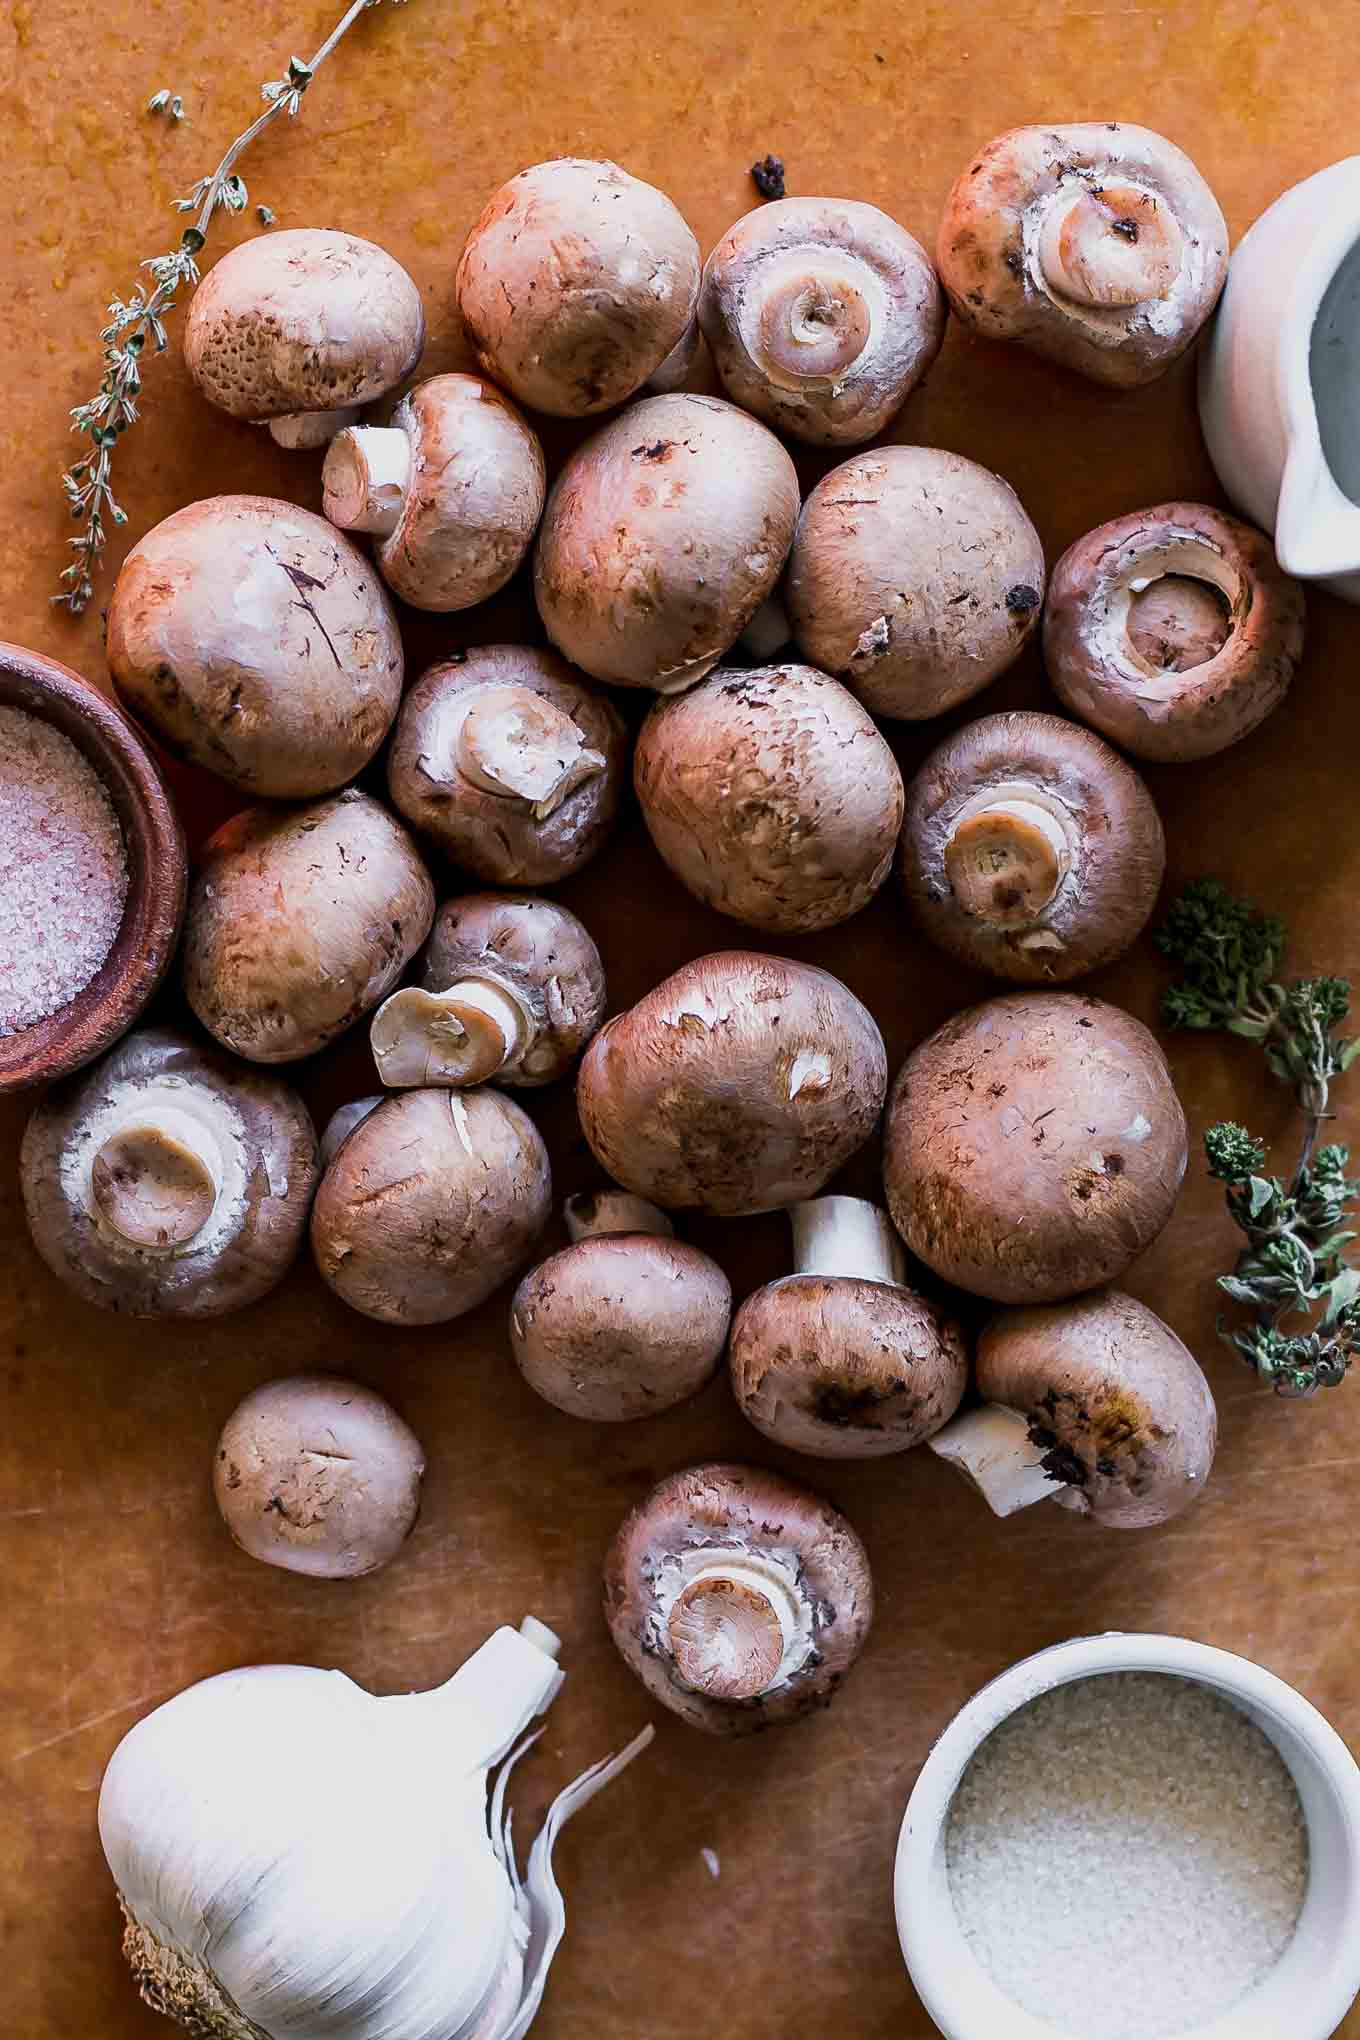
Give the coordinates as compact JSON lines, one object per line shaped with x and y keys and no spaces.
{"x":299,"y":1860}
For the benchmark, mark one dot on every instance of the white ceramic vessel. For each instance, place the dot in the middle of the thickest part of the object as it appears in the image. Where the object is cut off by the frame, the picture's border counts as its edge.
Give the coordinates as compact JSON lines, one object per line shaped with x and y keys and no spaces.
{"x":1310,"y":1990}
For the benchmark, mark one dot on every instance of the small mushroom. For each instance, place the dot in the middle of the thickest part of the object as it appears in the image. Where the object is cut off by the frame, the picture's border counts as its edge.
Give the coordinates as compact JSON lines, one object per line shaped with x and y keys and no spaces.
{"x":510,"y":763}
{"x":739,"y":1598}
{"x":771,"y":795}
{"x":1034,"y":1146}
{"x":319,"y":1475}
{"x":300,"y":919}
{"x":511,"y":988}
{"x":1031,"y":849}
{"x":841,"y":1359}
{"x":342,"y":1123}
{"x":255,"y":641}
{"x":1098,"y":246}
{"x":915,"y":578}
{"x":433,"y":1201}
{"x":300,"y":329}
{"x":625,"y":1322}
{"x":741,"y":1083}
{"x":663,"y":535}
{"x":1094,"y":1402}
{"x":576,"y":285}
{"x":166,"y":1182}
{"x":452,"y":490}
{"x":822,"y":315}
{"x":1175,"y":631}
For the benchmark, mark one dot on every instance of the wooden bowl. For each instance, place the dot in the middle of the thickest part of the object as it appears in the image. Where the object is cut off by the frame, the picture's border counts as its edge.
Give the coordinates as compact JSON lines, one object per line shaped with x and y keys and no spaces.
{"x":157,"y":873}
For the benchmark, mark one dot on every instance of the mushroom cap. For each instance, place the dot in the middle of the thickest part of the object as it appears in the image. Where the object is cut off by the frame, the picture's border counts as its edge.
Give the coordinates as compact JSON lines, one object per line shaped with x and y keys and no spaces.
{"x":300,"y":919}
{"x":1106,"y":816}
{"x":498,"y":839}
{"x":663,"y":535}
{"x":1034,"y":1146}
{"x":433,"y":1201}
{"x":319,"y":1475}
{"x":1152,"y":709}
{"x":575,"y":285}
{"x":741,"y":1083}
{"x":253,"y":639}
{"x":266,"y":1149}
{"x":1118,"y":1405}
{"x":783,"y":261}
{"x":770,"y":794}
{"x":304,"y":319}
{"x":546,"y":957}
{"x":915,"y":578}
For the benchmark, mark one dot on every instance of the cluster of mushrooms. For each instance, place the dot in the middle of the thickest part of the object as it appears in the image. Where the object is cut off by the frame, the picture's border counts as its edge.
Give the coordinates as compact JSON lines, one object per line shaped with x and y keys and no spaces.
{"x":1033,"y":1146}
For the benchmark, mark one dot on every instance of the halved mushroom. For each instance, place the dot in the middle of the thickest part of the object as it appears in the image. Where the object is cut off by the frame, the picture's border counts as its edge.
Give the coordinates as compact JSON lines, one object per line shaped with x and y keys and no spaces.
{"x":1030,"y":848}
{"x":166,"y":1182}
{"x":1175,"y":630}
{"x":741,"y":1083}
{"x":739,"y":1598}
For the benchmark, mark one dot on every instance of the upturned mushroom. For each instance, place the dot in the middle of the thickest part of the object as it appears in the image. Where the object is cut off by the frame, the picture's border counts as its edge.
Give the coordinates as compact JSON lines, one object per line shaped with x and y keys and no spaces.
{"x":432,"y":1201}
{"x":1034,"y":1146}
{"x":300,"y":920}
{"x":1175,"y":631}
{"x":1098,"y":246}
{"x":318,"y":1475}
{"x":841,"y":1359}
{"x":511,"y":988}
{"x":509,"y":763}
{"x":1030,"y":848}
{"x":915,"y":577}
{"x":1095,"y":1403}
{"x":166,"y":1182}
{"x":739,"y":1598}
{"x":771,"y":794}
{"x":255,"y":641}
{"x":625,"y":1322}
{"x":577,"y":284}
{"x":741,"y":1083}
{"x":301,"y":328}
{"x":663,"y":535}
{"x":452,"y":490}
{"x":822,"y":315}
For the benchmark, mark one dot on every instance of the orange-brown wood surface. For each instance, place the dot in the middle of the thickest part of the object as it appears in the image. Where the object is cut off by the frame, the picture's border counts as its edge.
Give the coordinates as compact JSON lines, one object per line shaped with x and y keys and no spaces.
{"x":118,"y":1584}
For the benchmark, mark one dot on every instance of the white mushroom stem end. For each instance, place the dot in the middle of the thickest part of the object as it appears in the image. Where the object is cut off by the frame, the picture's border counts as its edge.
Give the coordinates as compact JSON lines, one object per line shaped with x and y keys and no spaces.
{"x":366,"y":477}
{"x":515,"y":743}
{"x":729,"y":1630}
{"x":991,"y":1447}
{"x":459,"y":1037}
{"x":594,"y":1213}
{"x":846,"y":1236}
{"x":306,"y":431}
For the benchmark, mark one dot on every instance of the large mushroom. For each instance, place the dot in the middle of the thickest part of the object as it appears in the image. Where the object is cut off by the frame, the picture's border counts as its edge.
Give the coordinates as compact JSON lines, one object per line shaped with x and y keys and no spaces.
{"x":167,"y":1182}
{"x":741,"y":1083}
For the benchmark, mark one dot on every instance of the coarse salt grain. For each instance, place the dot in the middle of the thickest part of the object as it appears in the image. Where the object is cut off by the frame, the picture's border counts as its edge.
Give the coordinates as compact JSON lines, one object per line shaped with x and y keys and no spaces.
{"x":63,"y":870}
{"x":1127,"y":1856}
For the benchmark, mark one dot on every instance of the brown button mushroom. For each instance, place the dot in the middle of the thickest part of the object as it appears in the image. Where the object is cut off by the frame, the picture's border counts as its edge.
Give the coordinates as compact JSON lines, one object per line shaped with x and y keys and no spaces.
{"x":254,"y":640}
{"x":739,"y":1598}
{"x":300,"y":919}
{"x":822,"y":315}
{"x":510,"y":987}
{"x":1094,"y":1402}
{"x":318,"y":1475}
{"x":1030,"y":848}
{"x":510,"y":763}
{"x":342,"y":1123}
{"x":841,"y":1359}
{"x":626,"y":1321}
{"x":915,"y":578}
{"x":741,"y":1083}
{"x":1174,"y":630}
{"x":1034,"y":1146}
{"x":1098,"y":246}
{"x":771,"y":795}
{"x":165,"y":1182}
{"x":432,"y":1201}
{"x":576,"y":285}
{"x":663,"y":535}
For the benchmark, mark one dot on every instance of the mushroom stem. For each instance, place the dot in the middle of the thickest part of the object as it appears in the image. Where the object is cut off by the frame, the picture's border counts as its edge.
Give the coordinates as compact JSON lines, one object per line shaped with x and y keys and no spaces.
{"x":458,"y":1037}
{"x":305,"y":431}
{"x":1006,"y":858}
{"x":1110,"y":245}
{"x":1176,"y":622}
{"x":365,"y":479}
{"x":342,"y":1123}
{"x":677,"y":365}
{"x":846,"y":1236}
{"x":155,"y":1182}
{"x":768,"y":633}
{"x":515,"y":742}
{"x":593,"y":1213}
{"x":991,"y":1447}
{"x":814,"y":319}
{"x":729,"y":1628}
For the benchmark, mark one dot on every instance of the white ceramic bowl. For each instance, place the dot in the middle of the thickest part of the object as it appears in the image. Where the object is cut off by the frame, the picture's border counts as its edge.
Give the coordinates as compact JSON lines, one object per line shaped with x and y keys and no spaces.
{"x":1307,"y":1994}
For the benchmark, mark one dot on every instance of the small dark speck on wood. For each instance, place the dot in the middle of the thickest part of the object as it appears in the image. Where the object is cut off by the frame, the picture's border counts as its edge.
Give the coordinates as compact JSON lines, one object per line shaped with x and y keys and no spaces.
{"x":768,"y":176}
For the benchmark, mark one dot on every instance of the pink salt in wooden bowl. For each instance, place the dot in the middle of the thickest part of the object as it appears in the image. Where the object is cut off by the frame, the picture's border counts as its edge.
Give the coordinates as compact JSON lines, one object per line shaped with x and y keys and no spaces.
{"x":157,"y":873}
